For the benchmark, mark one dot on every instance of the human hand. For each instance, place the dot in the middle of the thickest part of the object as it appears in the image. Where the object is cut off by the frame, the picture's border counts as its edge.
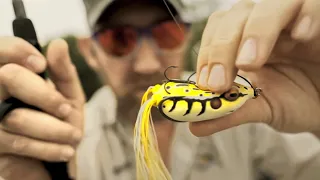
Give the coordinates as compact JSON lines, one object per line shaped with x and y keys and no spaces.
{"x":50,"y":135}
{"x":276,"y":45}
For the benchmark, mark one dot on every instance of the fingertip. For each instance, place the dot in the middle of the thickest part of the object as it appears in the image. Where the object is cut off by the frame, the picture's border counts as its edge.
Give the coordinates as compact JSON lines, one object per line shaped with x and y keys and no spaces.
{"x":202,"y":76}
{"x":248,"y":53}
{"x":77,"y":136}
{"x":67,"y":153}
{"x":36,"y":63}
{"x":248,"y":58}
{"x":58,"y":48}
{"x":58,"y":56}
{"x":18,"y":51}
{"x":60,"y":43}
{"x":216,"y":79}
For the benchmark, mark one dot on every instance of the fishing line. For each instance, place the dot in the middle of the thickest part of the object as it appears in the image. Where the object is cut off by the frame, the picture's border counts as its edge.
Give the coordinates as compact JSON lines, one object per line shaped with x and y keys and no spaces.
{"x":175,"y":20}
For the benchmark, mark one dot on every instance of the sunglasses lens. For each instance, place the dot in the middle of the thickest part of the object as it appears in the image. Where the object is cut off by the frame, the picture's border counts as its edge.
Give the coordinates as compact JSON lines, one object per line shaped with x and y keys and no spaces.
{"x":119,"y":41}
{"x":122,"y":41}
{"x":169,"y":35}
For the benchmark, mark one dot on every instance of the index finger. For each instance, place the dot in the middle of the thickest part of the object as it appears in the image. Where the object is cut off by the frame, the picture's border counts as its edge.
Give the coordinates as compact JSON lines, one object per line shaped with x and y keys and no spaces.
{"x":18,"y":51}
{"x":63,"y":73}
{"x":202,"y":68}
{"x":262,"y":30}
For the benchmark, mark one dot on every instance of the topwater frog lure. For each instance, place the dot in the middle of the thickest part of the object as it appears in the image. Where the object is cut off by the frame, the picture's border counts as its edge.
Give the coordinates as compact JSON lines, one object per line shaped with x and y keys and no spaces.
{"x":180,"y":101}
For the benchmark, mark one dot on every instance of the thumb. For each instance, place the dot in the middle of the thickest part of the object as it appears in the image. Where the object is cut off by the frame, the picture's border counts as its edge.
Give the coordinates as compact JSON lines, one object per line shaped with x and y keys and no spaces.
{"x":63,"y":73}
{"x":254,"y":110}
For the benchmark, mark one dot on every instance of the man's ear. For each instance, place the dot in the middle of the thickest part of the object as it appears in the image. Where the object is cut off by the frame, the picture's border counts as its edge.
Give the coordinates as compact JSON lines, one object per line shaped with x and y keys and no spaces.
{"x":88,"y":51}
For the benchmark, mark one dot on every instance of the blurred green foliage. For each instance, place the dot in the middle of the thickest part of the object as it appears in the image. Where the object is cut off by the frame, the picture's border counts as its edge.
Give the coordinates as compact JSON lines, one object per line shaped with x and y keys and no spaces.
{"x":192,"y":50}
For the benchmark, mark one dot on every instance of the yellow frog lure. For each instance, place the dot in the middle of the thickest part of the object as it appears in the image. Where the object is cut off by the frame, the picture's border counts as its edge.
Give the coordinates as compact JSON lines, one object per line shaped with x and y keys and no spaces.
{"x":180,"y":101}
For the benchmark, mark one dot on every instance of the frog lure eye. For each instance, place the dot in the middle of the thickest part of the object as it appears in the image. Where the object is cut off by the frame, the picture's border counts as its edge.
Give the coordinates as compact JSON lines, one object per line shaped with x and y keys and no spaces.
{"x":180,"y":101}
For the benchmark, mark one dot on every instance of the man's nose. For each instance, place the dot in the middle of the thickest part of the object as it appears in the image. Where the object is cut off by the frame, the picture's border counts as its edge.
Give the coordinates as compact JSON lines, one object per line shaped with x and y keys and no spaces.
{"x":146,"y":61}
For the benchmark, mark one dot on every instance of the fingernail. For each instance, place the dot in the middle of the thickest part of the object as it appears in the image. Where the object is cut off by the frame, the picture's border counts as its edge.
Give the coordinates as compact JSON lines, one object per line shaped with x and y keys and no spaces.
{"x":65,"y":109}
{"x":303,"y":28}
{"x":203,"y":76}
{"x":217,"y":77}
{"x":67,"y":153}
{"x":248,"y":53}
{"x":77,"y":135}
{"x":36,"y":63}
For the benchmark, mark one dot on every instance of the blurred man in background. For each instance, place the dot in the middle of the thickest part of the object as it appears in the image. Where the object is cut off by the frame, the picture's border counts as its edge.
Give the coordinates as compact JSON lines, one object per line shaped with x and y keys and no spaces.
{"x":130,"y":60}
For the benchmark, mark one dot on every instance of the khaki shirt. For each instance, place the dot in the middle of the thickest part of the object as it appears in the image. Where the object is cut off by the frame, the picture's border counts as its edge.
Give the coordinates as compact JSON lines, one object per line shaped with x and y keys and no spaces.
{"x":240,"y":153}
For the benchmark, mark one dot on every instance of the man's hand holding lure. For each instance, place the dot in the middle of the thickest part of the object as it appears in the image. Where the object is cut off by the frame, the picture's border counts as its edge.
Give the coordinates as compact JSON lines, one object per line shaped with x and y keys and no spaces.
{"x":276,"y":48}
{"x":180,"y":101}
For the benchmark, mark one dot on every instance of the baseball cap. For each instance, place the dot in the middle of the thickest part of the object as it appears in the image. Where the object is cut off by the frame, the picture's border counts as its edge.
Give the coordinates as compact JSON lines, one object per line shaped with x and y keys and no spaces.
{"x":189,"y":10}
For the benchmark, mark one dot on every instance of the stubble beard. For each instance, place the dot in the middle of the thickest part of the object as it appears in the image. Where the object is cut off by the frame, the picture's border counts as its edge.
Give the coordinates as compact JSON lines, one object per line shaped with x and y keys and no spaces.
{"x":128,"y":109}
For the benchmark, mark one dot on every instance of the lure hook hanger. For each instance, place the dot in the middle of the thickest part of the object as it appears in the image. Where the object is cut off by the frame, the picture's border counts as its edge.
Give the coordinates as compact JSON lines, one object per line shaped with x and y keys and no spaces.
{"x":191,"y":76}
{"x":257,"y":91}
{"x":168,"y":80}
{"x":165,"y":72}
{"x":176,"y":80}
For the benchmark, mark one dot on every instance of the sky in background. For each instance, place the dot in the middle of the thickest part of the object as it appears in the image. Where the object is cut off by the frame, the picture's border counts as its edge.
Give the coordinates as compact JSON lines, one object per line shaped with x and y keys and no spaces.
{"x":51,"y":18}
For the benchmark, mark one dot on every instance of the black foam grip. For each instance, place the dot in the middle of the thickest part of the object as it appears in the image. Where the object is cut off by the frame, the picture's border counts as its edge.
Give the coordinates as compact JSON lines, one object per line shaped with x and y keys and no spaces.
{"x":57,"y":171}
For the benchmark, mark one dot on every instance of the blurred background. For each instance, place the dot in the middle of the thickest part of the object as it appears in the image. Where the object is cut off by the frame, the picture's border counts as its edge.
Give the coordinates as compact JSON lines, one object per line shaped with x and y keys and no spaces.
{"x":66,"y":19}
